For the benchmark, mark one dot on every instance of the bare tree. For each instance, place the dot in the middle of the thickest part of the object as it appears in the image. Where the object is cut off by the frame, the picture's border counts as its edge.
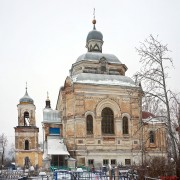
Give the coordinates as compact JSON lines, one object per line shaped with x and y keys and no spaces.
{"x":3,"y":144}
{"x":11,"y":152}
{"x":153,"y":77}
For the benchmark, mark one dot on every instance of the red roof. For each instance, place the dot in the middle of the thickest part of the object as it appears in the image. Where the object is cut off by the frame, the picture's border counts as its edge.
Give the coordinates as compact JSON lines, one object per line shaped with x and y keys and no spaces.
{"x":146,"y":115}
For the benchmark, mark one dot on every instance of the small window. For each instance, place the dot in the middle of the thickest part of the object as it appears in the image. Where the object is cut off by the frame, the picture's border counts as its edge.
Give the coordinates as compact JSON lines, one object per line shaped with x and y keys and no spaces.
{"x":135,"y":142}
{"x":89,"y":125}
{"x":152,"y":137}
{"x":127,"y":162}
{"x":119,"y":142}
{"x":90,"y":161}
{"x":99,"y":141}
{"x":103,"y":68}
{"x":26,"y":145}
{"x":125,"y":125}
{"x":113,"y":161}
{"x":80,"y":141}
{"x":105,"y":161}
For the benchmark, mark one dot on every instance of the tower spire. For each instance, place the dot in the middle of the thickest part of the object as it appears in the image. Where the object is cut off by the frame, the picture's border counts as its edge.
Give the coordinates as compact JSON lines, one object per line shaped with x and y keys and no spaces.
{"x":48,"y":103}
{"x":47,"y":95}
{"x":94,"y":20}
{"x":26,"y":93}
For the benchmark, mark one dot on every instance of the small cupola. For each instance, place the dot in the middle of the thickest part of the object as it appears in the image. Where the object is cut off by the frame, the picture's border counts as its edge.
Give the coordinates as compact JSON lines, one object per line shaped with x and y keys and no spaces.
{"x":94,"y":40}
{"x":26,"y":98}
{"x":48,"y":102}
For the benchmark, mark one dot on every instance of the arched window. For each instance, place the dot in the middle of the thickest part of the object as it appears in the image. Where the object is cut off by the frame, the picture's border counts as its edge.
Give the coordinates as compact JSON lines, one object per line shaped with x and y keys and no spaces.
{"x":125,"y":125}
{"x":89,"y":124}
{"x":107,"y":121}
{"x":26,"y":145}
{"x":26,"y":118}
{"x":152,"y":137}
{"x":26,"y":162}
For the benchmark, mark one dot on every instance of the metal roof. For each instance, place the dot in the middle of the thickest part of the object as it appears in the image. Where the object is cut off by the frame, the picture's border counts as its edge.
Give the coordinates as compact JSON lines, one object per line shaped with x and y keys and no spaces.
{"x":26,"y":98}
{"x":94,"y":35}
{"x":93,"y":56}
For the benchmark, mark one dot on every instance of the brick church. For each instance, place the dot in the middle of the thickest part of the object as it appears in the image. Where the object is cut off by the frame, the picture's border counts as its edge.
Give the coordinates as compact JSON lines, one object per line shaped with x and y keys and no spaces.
{"x":98,"y":118}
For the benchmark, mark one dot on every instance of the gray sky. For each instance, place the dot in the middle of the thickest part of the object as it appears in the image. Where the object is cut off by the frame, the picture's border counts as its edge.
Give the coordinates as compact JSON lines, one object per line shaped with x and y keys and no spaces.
{"x":40,"y":39}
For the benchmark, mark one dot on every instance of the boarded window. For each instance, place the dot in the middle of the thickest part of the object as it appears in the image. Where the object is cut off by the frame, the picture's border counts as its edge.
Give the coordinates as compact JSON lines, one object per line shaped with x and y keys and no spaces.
{"x":54,"y":131}
{"x":125,"y":125}
{"x":89,"y":125}
{"x":107,"y":121}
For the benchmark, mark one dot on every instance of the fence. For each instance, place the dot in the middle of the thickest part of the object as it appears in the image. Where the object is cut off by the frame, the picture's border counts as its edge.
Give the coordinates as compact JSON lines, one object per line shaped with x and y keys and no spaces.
{"x":84,"y":175}
{"x":11,"y":174}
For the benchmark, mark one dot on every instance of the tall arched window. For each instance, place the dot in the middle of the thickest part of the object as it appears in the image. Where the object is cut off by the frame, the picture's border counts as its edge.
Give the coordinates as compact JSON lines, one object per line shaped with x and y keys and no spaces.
{"x":26,"y":162}
{"x":125,"y":125}
{"x":152,"y":137}
{"x":26,"y":145}
{"x":26,"y":118}
{"x":107,"y":121}
{"x":89,"y":124}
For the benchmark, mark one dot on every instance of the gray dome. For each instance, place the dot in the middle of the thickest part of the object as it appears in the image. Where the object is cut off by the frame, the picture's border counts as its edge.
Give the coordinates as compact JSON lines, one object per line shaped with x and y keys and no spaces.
{"x":94,"y":34}
{"x":26,"y":99}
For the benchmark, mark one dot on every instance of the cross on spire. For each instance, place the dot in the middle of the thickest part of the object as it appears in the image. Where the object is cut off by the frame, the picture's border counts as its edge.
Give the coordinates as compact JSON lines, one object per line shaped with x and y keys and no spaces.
{"x":94,"y":20}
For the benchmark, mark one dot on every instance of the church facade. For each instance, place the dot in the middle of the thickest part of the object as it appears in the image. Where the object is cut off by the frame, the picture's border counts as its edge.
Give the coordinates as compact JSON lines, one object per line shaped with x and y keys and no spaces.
{"x":101,"y":111}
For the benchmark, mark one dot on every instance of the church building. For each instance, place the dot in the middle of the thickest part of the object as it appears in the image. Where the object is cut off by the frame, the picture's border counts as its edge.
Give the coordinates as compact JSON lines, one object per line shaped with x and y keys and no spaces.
{"x":27,"y":152}
{"x":98,"y":119}
{"x":101,"y":110}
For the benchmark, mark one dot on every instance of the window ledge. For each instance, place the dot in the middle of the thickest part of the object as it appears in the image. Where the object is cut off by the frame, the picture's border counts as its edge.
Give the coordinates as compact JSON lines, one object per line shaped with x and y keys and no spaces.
{"x":152,"y":145}
{"x":107,"y":135}
{"x":90,"y":135}
{"x":126,"y":135}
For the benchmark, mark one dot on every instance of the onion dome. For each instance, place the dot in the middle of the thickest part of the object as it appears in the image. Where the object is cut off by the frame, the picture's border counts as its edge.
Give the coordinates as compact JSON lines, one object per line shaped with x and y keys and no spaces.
{"x":94,"y":35}
{"x":94,"y":40}
{"x":26,"y":98}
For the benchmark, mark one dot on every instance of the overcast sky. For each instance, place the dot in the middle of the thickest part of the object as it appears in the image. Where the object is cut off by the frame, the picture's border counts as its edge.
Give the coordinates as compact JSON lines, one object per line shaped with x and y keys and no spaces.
{"x":40,"y":39}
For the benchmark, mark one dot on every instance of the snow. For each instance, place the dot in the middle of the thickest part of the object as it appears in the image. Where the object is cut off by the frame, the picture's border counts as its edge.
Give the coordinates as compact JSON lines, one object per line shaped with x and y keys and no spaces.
{"x":56,"y":146}
{"x":103,"y":79}
{"x":96,"y":56}
{"x":152,"y":120}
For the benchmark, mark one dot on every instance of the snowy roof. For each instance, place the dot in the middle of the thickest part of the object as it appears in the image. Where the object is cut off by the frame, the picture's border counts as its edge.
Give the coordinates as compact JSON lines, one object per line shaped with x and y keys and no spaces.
{"x":150,"y":118}
{"x":96,"y":56}
{"x":51,"y":116}
{"x":103,"y":79}
{"x":56,"y":146}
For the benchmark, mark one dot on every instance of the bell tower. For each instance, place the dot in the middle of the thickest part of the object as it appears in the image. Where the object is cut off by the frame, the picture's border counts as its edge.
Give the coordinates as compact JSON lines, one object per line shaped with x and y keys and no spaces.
{"x":27,"y":152}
